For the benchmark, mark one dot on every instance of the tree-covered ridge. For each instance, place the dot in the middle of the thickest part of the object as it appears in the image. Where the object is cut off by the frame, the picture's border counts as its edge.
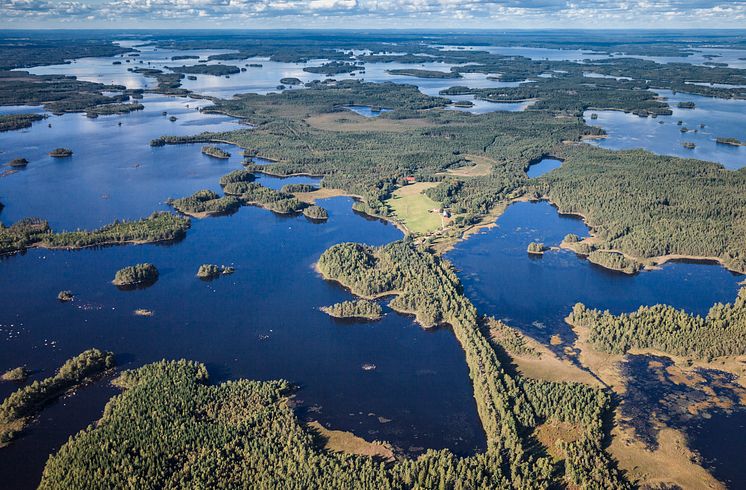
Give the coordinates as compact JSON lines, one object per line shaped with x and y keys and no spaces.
{"x":30,"y":232}
{"x":647,"y":205}
{"x":360,"y":308}
{"x":721,"y":333}
{"x":509,"y":407}
{"x":17,"y":410}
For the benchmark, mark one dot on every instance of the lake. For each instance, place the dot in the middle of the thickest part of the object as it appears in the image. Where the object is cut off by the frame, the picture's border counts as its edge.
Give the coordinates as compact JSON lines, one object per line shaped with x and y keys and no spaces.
{"x":262,"y":322}
{"x":662,"y":135}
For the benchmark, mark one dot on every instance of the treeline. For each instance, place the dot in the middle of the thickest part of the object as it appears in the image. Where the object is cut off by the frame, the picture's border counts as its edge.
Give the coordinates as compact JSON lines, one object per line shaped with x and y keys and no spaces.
{"x":721,"y":333}
{"x":647,"y":205}
{"x":509,"y":406}
{"x":361,"y":308}
{"x":12,"y":122}
{"x":17,"y":410}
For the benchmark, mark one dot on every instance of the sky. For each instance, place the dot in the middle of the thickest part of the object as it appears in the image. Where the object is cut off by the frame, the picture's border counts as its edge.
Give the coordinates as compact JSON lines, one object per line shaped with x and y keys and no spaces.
{"x":389,"y":14}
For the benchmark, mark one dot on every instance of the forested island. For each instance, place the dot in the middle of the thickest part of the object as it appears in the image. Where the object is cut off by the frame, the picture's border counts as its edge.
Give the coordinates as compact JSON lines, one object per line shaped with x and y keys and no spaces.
{"x":138,"y":275}
{"x":13,"y":122}
{"x":205,"y":203}
{"x":214,"y":70}
{"x":61,"y":153}
{"x":364,"y":309}
{"x":414,"y":72}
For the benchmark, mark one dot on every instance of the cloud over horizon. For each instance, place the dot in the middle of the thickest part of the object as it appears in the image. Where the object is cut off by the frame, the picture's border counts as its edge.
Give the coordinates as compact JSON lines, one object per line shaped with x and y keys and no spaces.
{"x":373,"y":13}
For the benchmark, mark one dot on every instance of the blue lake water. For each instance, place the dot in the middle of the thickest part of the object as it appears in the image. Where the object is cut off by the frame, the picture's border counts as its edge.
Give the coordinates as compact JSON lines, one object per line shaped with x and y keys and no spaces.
{"x":662,"y":135}
{"x":114,"y":172}
{"x":535,"y":293}
{"x":263,"y":321}
{"x":367,"y":111}
{"x":543,"y":166}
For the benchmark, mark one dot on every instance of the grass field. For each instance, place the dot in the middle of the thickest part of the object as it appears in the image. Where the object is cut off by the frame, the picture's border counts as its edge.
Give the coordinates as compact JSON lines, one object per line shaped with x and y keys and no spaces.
{"x":413,"y":208}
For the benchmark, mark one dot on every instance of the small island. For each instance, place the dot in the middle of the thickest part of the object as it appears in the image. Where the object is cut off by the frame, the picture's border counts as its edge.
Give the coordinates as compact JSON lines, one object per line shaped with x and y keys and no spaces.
{"x":729,"y":141}
{"x":212,"y":271}
{"x":415,"y":72}
{"x":686,"y":105}
{"x":208,"y":271}
{"x":689,"y":145}
{"x":139,"y":275}
{"x":215,"y":70}
{"x":215,"y":152}
{"x":463,"y":103}
{"x":12,"y":122}
{"x":18,"y":163}
{"x":65,"y":296}
{"x":15,"y":374}
{"x":205,"y":203}
{"x":61,"y":153}
{"x":360,"y":309}
{"x":290,"y":81}
{"x":316,"y":213}
{"x":536,"y":248}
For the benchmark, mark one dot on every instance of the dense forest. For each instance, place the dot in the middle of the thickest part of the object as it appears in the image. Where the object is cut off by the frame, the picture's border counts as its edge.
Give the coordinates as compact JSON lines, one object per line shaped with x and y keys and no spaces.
{"x":647,"y":205}
{"x":721,"y":333}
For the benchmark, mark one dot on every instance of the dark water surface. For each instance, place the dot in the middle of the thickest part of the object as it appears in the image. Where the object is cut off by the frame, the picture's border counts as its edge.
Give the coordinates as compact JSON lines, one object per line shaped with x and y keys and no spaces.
{"x":535,"y":294}
{"x":262,"y":322}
